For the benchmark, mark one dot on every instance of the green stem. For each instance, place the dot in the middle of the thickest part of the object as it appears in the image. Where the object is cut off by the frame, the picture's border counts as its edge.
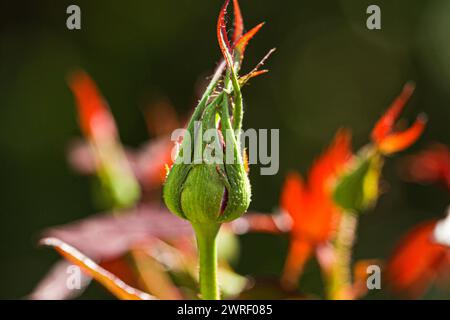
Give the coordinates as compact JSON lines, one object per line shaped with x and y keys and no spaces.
{"x":206,"y":235}
{"x":340,"y":278}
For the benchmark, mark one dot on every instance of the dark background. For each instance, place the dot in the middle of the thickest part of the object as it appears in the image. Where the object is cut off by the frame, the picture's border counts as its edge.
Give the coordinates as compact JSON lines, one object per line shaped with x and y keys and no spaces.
{"x":329,"y":71}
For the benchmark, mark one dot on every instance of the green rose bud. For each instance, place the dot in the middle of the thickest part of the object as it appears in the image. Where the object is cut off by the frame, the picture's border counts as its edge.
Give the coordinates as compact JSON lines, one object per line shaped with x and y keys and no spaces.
{"x":208,"y":183}
{"x":214,"y":187}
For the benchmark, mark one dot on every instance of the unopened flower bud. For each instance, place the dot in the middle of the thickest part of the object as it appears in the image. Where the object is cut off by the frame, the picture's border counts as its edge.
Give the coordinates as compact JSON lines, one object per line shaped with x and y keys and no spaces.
{"x":214,"y":186}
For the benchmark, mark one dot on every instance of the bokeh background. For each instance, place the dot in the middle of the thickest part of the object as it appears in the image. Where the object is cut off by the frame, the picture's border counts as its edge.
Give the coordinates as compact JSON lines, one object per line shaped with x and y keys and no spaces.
{"x":329,"y":71}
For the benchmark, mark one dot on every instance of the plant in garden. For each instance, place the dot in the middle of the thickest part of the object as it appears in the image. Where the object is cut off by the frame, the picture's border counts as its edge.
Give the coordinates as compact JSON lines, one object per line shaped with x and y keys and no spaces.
{"x":323,"y":212}
{"x":138,"y":250}
{"x":358,"y":188}
{"x":205,"y":191}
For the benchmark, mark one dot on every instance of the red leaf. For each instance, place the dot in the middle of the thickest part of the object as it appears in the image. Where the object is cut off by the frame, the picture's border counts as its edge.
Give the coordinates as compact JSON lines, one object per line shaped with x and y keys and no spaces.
{"x":417,"y":261}
{"x":95,"y":118}
{"x":241,"y":45}
{"x":400,"y":141}
{"x":325,"y":169}
{"x":429,"y":166}
{"x":385,"y":125}
{"x":292,"y":194}
{"x":108,"y":237}
{"x":238,"y":22}
{"x":222,"y":36}
{"x":383,"y":135}
{"x":116,"y":286}
{"x":298,"y":254}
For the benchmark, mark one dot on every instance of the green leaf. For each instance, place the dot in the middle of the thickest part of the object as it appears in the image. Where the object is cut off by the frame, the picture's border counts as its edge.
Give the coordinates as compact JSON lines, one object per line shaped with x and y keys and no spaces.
{"x":357,"y":190}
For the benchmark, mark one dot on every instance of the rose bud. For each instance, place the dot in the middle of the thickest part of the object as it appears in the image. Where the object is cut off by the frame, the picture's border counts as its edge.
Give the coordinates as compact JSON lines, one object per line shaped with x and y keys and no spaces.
{"x":208,"y":182}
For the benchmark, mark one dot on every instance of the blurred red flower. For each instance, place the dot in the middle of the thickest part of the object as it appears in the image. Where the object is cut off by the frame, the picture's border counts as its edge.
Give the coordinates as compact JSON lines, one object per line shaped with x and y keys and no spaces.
{"x":383,"y":135}
{"x":311,"y":207}
{"x":431,"y":165}
{"x":421,"y":258}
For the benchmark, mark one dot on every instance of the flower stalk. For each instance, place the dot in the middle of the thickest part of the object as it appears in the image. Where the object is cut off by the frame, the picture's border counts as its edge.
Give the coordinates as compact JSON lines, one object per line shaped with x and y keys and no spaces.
{"x":340,"y":275}
{"x":206,"y":236}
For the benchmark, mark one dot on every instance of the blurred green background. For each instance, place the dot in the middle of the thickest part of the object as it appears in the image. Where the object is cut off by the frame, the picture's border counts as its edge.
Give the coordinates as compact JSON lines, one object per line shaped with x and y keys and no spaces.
{"x":329,"y":71}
